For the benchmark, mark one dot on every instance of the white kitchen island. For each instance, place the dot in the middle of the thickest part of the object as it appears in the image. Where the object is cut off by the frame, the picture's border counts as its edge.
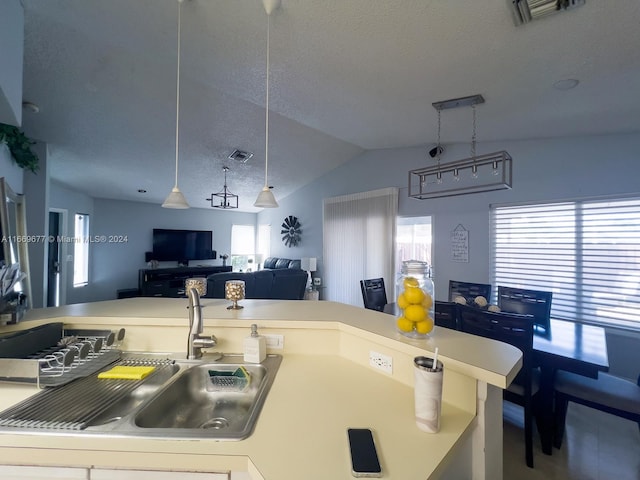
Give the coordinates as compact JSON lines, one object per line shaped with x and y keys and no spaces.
{"x":324,"y":385}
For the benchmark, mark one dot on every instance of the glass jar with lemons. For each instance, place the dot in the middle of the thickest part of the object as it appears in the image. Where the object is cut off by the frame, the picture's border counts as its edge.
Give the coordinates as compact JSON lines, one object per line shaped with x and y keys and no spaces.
{"x":414,"y":299}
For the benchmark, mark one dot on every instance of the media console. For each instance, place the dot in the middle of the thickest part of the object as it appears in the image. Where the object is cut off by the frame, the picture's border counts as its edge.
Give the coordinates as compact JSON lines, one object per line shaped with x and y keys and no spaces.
{"x":169,"y":282}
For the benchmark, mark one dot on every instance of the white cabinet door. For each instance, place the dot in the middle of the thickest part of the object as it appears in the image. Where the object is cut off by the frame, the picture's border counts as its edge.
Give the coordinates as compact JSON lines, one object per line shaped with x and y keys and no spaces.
{"x":20,"y":472}
{"x":113,"y":474}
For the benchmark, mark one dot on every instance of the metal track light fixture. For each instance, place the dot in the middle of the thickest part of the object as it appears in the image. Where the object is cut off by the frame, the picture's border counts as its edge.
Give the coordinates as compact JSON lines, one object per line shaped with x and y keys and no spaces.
{"x":176,"y":198}
{"x":265,"y":197}
{"x":478,"y":173}
{"x":227,"y":200}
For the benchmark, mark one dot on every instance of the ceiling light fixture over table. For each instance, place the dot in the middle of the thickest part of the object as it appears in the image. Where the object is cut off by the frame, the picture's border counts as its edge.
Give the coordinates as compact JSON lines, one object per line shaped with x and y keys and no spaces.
{"x":227,"y":199}
{"x":479,"y":173}
{"x":176,"y":198}
{"x":265,"y":197}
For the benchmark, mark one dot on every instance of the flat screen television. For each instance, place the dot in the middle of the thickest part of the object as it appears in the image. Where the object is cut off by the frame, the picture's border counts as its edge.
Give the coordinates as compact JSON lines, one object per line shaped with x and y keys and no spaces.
{"x":182,"y":245}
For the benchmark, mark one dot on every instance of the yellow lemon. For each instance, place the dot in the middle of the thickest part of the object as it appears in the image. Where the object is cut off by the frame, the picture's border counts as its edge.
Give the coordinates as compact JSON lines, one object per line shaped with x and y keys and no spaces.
{"x":402,"y":301}
{"x":427,"y":302}
{"x":415,"y":313}
{"x":424,"y":326}
{"x":404,"y":324}
{"x":414,"y":295}
{"x":411,"y":282}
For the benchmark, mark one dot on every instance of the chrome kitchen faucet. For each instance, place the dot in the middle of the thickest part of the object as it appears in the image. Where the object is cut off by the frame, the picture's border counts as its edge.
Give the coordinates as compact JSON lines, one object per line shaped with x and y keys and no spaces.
{"x":197,"y":341}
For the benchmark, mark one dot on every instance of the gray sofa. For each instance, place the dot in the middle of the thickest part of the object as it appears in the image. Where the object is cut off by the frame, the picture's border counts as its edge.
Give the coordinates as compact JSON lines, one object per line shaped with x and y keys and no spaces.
{"x":281,"y":284}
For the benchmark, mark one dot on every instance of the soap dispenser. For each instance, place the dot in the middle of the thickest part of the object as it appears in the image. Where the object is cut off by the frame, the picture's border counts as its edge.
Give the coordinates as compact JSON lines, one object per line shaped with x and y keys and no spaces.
{"x":255,"y":346}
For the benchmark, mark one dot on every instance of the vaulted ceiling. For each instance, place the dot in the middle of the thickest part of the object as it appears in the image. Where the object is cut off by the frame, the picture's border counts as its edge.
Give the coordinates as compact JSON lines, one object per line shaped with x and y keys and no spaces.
{"x":346,"y":76}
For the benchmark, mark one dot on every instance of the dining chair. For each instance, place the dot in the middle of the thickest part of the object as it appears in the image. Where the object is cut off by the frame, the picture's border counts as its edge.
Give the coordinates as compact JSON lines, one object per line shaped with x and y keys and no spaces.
{"x":469,"y":290}
{"x":446,"y":314}
{"x":516,"y":330}
{"x":607,"y":393}
{"x":536,"y":303}
{"x":374,"y":294}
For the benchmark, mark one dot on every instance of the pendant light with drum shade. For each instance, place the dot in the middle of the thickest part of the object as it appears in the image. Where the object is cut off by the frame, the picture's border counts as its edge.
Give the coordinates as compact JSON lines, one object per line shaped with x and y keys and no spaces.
{"x":265,"y":197}
{"x":176,"y":198}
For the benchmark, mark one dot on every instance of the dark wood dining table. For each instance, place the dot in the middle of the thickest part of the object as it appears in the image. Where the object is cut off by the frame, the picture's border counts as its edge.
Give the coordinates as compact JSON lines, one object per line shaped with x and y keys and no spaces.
{"x":570,"y":346}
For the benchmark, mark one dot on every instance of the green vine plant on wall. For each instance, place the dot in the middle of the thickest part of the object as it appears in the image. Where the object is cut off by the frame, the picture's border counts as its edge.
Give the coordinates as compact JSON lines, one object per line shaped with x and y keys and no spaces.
{"x":19,"y":147}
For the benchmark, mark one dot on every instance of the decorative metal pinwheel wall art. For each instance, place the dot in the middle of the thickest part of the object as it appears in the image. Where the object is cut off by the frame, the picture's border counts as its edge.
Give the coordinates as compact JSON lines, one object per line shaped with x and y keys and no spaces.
{"x":291,"y":231}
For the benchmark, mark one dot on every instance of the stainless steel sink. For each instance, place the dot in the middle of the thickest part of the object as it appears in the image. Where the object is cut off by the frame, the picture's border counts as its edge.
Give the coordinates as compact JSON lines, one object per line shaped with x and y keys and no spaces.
{"x":128,"y":402}
{"x":192,"y":405}
{"x":179,"y":400}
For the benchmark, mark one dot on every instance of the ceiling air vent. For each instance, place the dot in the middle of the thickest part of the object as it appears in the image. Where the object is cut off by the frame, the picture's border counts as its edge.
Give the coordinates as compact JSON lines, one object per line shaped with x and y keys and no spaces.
{"x":525,"y":11}
{"x":240,"y":156}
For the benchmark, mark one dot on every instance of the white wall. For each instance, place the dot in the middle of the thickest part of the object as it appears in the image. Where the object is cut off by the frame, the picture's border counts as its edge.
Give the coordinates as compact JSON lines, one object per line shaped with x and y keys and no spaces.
{"x":72,"y":202}
{"x":115,"y":265}
{"x":11,"y":53}
{"x":9,"y":170}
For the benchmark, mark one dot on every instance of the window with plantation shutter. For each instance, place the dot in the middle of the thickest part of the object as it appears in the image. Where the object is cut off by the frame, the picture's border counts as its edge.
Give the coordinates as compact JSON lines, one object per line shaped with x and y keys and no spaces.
{"x":586,"y":252}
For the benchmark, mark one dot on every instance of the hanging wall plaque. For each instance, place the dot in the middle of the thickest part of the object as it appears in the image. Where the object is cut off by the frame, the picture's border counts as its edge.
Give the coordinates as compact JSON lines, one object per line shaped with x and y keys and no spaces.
{"x":460,"y":244}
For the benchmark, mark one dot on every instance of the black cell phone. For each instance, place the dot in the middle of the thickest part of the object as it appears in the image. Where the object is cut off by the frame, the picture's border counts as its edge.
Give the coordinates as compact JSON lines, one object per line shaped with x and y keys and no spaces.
{"x":364,"y":457}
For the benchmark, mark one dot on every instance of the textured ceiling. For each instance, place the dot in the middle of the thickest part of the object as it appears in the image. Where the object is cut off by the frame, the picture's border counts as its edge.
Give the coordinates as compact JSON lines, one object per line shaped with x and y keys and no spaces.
{"x":346,"y":76}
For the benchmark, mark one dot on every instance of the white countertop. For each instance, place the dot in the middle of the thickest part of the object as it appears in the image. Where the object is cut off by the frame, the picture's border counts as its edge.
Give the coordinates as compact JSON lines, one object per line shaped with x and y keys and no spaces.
{"x":324,"y":386}
{"x":495,"y":363}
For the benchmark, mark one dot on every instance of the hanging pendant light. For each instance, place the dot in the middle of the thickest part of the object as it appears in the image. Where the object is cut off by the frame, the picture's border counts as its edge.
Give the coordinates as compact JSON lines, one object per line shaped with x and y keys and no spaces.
{"x":265,"y":197}
{"x":226,"y":198}
{"x":478,"y":173}
{"x":176,"y":198}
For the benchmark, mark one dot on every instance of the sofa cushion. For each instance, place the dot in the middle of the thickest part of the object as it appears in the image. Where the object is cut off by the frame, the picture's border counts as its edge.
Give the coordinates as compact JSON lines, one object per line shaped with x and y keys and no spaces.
{"x":282,"y":263}
{"x":288,"y":284}
{"x":295,"y":264}
{"x":263,"y":284}
{"x":269,"y":262}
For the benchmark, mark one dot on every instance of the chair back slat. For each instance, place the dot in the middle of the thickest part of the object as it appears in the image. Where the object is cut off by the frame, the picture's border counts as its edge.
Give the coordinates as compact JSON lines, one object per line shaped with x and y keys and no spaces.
{"x":446,"y":314}
{"x":536,"y":303}
{"x":516,"y":330}
{"x":469,"y":290}
{"x":374,"y":294}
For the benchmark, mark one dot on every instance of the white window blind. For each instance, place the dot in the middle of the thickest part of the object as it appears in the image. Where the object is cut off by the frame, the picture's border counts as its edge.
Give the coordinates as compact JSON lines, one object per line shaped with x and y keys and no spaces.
{"x":243,"y":247}
{"x":586,"y":252}
{"x":358,"y":242}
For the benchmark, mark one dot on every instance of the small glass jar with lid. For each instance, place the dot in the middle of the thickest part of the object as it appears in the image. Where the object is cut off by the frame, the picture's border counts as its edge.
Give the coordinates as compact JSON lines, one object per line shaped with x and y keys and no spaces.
{"x":414,"y":299}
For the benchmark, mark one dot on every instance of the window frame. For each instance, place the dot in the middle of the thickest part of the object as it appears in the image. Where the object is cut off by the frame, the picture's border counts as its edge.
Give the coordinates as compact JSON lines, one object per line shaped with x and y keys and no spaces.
{"x":81,"y":250}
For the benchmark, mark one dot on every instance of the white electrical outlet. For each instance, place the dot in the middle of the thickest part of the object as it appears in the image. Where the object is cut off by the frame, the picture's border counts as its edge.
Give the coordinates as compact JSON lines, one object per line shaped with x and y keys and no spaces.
{"x":275,"y":342}
{"x":381,"y":362}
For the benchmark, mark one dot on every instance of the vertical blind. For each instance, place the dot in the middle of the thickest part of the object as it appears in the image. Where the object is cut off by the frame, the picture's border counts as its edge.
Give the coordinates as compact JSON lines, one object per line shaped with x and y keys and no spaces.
{"x":586,"y":252}
{"x":359,"y":237}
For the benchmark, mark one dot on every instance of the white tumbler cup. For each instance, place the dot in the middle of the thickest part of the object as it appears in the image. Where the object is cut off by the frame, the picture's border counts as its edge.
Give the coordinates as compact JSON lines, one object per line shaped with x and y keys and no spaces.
{"x":428,"y":394}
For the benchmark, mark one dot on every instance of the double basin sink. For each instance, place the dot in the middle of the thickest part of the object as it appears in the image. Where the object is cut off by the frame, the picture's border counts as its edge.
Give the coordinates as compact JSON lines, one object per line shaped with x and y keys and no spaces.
{"x":179,"y":400}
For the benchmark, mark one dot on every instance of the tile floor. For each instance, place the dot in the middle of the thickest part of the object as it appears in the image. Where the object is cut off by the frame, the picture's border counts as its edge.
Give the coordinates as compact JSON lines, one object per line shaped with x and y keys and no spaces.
{"x":597,"y":446}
